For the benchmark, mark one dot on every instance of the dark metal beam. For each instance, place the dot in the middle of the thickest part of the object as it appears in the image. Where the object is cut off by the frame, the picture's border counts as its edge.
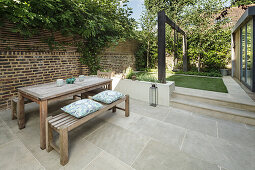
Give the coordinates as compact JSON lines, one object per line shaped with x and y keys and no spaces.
{"x":174,"y":26}
{"x":161,"y":47}
{"x":185,"y":50}
{"x":162,"y":20}
{"x":253,"y":64}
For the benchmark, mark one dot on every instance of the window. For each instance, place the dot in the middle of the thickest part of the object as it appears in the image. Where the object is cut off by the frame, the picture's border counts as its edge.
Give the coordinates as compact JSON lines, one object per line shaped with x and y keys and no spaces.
{"x":247,"y":53}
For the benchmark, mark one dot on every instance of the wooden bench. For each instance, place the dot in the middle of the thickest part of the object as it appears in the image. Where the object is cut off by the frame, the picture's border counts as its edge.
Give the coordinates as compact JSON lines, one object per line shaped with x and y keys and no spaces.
{"x":14,"y":102}
{"x":64,"y":122}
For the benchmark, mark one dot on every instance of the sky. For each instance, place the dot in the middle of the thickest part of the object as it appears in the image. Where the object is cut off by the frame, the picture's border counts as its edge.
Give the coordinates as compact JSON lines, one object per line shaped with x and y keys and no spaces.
{"x":138,"y":7}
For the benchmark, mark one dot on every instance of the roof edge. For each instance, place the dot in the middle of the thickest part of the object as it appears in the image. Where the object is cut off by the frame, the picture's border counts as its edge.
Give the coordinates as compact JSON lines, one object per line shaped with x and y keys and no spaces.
{"x":250,"y":11}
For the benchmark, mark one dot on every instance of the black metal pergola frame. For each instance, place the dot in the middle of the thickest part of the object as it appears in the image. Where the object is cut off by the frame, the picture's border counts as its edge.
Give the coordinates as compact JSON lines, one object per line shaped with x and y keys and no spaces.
{"x":162,"y":20}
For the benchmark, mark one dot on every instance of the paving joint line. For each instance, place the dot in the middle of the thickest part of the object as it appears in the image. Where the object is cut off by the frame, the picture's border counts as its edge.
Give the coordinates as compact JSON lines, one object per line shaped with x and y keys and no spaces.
{"x":2,"y":145}
{"x":93,"y":159}
{"x":141,"y":151}
{"x":217,"y":129}
{"x":108,"y":153}
{"x":185,"y":134}
{"x":94,"y":130}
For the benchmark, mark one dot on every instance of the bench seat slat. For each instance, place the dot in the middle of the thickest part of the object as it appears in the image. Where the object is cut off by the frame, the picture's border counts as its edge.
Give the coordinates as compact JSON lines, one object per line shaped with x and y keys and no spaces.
{"x":61,"y":120}
{"x":58,"y":117}
{"x":65,"y":122}
{"x":69,"y":123}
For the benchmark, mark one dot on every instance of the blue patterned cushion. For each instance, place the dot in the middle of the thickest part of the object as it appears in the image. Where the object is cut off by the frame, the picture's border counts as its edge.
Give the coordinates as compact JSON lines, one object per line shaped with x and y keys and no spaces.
{"x":82,"y":108}
{"x":108,"y":96}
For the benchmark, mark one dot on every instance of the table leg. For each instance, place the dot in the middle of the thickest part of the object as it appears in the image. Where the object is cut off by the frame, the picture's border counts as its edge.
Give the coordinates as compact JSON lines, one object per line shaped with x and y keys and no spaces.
{"x":84,"y":96}
{"x":21,"y":113}
{"x":43,"y":116}
{"x":110,"y":86}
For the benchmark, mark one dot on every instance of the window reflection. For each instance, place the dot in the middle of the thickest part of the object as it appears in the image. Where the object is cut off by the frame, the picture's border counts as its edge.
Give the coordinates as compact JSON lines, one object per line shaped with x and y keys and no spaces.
{"x":247,"y":53}
{"x":243,"y":31}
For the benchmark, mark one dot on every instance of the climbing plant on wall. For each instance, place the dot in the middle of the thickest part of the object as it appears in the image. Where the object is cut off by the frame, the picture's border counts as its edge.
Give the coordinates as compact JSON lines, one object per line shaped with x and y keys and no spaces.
{"x":94,"y":24}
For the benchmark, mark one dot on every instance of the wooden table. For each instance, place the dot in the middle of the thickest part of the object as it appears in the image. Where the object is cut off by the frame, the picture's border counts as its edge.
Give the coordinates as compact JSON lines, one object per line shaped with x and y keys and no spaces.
{"x":43,"y":93}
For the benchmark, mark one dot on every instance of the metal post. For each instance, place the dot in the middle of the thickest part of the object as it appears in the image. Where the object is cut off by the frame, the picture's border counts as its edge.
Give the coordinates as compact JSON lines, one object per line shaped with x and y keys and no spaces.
{"x":185,"y":58}
{"x":161,"y":47}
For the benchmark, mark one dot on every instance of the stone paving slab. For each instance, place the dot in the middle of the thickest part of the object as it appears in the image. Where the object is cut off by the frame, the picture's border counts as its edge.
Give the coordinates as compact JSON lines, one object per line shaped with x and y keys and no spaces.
{"x":159,"y":156}
{"x":123,"y":144}
{"x":14,"y":155}
{"x":106,"y":161}
{"x":219,"y":151}
{"x":161,"y":137}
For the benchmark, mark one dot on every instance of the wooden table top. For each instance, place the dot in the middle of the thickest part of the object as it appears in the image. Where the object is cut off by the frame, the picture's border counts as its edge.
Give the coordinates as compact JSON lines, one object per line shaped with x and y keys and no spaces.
{"x":51,"y":90}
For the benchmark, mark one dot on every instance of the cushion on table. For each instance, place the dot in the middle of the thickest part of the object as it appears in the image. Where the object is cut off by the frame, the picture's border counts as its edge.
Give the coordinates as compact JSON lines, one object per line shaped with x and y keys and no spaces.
{"x":82,"y":108}
{"x":108,"y":96}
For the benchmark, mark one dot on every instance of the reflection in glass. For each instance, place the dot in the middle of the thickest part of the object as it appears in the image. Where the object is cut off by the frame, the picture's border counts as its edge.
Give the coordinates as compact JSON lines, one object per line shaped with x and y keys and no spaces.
{"x":249,"y":53}
{"x":243,"y":46}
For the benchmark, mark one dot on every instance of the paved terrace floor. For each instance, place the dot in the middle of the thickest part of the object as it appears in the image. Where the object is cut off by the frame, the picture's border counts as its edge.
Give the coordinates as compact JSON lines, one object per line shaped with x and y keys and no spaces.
{"x":151,"y":138}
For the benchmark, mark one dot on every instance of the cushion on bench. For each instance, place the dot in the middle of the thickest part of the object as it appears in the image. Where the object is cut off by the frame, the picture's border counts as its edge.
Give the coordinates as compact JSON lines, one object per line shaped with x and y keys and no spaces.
{"x":108,"y":96}
{"x":82,"y":108}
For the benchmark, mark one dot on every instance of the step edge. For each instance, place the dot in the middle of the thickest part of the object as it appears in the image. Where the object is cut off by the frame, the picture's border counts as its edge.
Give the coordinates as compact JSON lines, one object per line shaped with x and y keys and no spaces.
{"x":216,"y":109}
{"x":218,"y":100}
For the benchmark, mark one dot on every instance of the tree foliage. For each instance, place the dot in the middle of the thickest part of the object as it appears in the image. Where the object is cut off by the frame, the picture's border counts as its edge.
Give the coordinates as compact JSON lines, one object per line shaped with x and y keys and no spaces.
{"x":94,"y":23}
{"x":208,"y":38}
{"x":242,"y":2}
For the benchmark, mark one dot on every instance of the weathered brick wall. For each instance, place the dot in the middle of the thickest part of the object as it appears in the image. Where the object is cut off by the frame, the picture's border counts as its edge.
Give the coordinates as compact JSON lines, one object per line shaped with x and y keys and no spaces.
{"x":119,"y":58}
{"x":19,"y":69}
{"x":25,"y":62}
{"x":25,"y":68}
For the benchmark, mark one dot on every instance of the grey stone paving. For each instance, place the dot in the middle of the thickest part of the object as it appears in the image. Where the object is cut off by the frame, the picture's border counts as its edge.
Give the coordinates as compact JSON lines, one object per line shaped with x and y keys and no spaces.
{"x":151,"y":138}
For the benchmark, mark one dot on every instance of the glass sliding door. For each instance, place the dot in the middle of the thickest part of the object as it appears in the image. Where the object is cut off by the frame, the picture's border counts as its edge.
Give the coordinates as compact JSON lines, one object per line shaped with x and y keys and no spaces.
{"x":247,"y":53}
{"x":243,"y":53}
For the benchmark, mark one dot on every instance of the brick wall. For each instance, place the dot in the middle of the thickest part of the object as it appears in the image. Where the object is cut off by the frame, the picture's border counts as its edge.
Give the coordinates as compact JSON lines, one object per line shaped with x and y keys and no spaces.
{"x":19,"y":69}
{"x":119,"y":58}
{"x":25,"y":62}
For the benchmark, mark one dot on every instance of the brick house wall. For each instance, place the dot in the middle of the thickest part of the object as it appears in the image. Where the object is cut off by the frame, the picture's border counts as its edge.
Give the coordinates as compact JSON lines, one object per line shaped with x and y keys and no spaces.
{"x":25,"y":62}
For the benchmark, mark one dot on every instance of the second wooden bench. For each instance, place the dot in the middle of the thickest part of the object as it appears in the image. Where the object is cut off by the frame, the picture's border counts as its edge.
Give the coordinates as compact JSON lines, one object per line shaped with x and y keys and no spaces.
{"x":64,"y":122}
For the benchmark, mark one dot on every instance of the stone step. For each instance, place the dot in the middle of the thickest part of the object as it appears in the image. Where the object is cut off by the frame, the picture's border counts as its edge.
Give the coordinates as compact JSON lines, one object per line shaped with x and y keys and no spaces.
{"x":217,"y":111}
{"x":225,"y":100}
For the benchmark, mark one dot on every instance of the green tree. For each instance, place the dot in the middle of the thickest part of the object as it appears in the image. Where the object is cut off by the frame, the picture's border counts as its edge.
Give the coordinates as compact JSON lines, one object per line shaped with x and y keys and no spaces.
{"x":93,"y":24}
{"x":208,"y":41}
{"x":242,"y":2}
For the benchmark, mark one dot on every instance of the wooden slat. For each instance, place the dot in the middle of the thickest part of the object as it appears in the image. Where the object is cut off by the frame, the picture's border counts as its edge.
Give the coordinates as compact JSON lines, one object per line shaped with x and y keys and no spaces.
{"x":120,"y":108}
{"x":61,"y":120}
{"x":65,"y":122}
{"x":54,"y":146}
{"x":60,"y":116}
{"x":70,"y":123}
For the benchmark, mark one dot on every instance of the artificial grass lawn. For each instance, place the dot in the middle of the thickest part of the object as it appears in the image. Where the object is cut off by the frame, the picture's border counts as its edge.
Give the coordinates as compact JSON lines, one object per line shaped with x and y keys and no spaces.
{"x":202,"y":83}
